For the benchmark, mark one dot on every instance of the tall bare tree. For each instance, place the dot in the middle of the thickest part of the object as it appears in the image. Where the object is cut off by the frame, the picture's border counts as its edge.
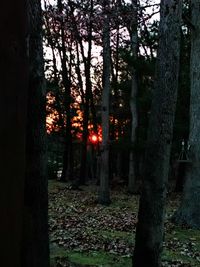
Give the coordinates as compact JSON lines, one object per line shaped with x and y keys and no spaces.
{"x":150,"y":227}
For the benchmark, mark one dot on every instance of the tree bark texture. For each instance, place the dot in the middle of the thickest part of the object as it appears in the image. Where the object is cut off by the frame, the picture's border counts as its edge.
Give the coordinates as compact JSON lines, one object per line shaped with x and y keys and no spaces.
{"x":150,"y":227}
{"x":35,"y":250}
{"x":189,"y":210}
{"x":133,"y":99}
{"x":13,"y":109}
{"x":104,"y":193}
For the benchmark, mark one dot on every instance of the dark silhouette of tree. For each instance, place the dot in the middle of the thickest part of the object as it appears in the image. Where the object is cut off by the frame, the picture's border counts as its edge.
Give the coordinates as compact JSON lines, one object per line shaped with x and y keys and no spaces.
{"x":24,"y":215}
{"x":13,"y":108}
{"x":35,"y":249}
{"x":88,"y":102}
{"x":150,"y":227}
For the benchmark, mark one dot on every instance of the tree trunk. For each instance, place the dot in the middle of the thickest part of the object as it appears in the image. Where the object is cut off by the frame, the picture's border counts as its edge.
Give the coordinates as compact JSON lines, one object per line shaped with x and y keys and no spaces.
{"x":150,"y":227}
{"x":35,"y":250}
{"x":83,"y":169}
{"x":88,"y":87}
{"x":104,"y":193}
{"x":88,"y":97}
{"x":67,"y":156}
{"x":13,"y":109}
{"x":133,"y":102}
{"x":180,"y":177}
{"x":189,"y":210}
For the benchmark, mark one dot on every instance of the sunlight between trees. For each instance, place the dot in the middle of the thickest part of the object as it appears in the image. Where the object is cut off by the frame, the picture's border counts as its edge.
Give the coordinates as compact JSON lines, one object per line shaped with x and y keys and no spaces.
{"x":111,"y":106}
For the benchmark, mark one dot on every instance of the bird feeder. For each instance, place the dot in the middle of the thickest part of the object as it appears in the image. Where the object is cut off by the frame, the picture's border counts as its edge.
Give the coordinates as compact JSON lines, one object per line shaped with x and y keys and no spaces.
{"x":183,"y":156}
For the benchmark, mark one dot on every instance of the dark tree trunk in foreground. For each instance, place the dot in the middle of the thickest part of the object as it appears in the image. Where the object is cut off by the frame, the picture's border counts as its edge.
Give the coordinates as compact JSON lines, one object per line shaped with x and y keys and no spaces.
{"x":150,"y":228}
{"x":35,"y":251}
{"x":104,"y":193}
{"x":189,"y":210}
{"x":13,"y":92}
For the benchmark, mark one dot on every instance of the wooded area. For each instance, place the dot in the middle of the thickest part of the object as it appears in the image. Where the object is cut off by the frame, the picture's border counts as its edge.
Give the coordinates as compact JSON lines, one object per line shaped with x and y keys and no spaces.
{"x":100,"y":133}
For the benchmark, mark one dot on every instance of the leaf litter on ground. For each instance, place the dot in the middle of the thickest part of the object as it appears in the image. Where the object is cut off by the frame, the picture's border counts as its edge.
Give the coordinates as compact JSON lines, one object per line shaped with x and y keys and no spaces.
{"x":78,"y":224}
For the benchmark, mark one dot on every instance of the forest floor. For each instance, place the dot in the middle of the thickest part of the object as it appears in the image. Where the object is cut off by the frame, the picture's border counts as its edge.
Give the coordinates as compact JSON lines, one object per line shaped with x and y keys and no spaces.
{"x":84,"y":233}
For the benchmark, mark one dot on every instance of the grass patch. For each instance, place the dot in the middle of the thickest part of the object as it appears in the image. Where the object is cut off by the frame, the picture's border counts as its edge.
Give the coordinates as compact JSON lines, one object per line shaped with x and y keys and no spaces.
{"x":175,"y":256}
{"x":54,"y":186}
{"x":112,"y":234}
{"x":91,"y":258}
{"x":125,"y":202}
{"x":56,"y":251}
{"x":185,"y":234}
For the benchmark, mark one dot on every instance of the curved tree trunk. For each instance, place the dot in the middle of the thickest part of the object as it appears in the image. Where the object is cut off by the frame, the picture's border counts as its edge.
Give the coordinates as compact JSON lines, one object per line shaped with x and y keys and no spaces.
{"x":150,"y":227}
{"x":189,"y":210}
{"x":35,"y":250}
